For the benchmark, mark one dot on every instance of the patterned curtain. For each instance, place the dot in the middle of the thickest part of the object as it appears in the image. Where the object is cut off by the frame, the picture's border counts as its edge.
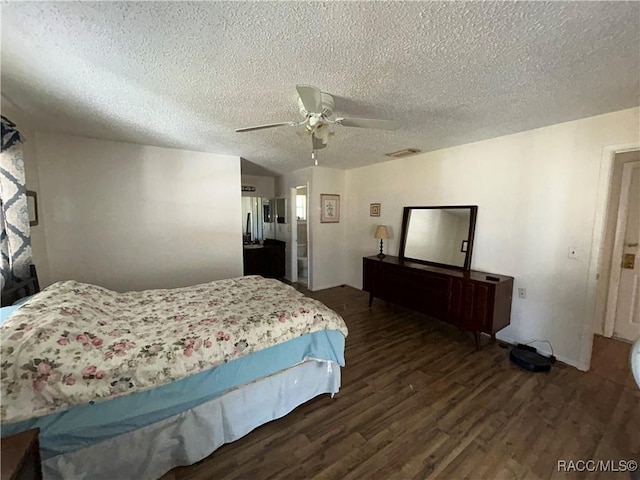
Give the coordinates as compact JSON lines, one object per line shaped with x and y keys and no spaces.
{"x":15,"y":241}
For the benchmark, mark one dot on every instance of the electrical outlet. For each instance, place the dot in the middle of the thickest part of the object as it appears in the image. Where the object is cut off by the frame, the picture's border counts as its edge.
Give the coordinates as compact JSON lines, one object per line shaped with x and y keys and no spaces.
{"x":522,"y":292}
{"x":573,"y":252}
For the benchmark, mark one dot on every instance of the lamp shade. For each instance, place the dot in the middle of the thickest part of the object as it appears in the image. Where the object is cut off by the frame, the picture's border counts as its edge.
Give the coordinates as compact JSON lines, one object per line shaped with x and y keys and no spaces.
{"x":381,"y":232}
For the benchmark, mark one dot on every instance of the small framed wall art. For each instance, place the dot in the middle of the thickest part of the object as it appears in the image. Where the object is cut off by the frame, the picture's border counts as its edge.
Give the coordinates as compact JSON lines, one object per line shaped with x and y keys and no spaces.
{"x":330,"y":205}
{"x":374,"y":210}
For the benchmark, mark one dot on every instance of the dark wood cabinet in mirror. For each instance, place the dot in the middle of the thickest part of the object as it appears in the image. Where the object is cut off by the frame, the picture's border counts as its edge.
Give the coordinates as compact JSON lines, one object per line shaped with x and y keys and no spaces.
{"x":441,"y":236}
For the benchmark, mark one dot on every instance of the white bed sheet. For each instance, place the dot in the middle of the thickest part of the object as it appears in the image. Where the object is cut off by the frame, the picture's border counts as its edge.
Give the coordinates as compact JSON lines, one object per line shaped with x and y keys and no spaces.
{"x":188,"y":437}
{"x":635,"y":362}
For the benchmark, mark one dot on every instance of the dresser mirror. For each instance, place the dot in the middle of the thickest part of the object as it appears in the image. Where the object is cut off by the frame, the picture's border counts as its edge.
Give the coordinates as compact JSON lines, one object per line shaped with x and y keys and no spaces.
{"x":440,"y":236}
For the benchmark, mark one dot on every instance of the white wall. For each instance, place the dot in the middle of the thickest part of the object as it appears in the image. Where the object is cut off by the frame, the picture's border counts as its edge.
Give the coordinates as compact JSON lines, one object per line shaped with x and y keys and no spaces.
{"x":327,"y":240}
{"x":536,"y":193}
{"x":265,"y":186}
{"x":131,"y":217}
{"x":38,"y":238}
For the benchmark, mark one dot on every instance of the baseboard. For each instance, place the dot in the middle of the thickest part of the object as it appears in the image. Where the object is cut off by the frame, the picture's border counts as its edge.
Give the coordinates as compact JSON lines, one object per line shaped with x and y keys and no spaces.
{"x":324,"y":287}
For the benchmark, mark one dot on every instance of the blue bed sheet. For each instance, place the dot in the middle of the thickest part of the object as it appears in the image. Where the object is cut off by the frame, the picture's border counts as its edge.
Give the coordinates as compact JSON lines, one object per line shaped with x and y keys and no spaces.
{"x":86,"y":425}
{"x":6,"y":311}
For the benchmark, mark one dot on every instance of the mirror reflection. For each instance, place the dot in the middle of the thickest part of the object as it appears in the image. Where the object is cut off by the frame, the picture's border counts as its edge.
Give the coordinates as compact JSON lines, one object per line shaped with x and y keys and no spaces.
{"x":439,"y":235}
{"x":280,"y":212}
{"x":252,"y":231}
{"x":258,"y":218}
{"x":267,"y":210}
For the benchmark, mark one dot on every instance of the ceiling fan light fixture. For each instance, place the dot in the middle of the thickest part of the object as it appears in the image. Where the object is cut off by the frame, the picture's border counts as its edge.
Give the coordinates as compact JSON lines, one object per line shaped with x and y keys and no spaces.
{"x":404,"y":153}
{"x":322,"y":132}
{"x":317,"y":109}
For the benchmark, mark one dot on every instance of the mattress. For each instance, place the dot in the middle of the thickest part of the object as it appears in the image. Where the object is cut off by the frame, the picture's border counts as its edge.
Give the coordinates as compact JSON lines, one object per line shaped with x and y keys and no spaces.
{"x":85,"y":425}
{"x":204,"y":366}
{"x":190,"y":436}
{"x":76,"y":343}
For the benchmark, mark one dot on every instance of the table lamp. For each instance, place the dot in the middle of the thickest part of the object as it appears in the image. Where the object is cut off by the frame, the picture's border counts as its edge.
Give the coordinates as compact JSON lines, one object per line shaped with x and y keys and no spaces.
{"x":382,"y":234}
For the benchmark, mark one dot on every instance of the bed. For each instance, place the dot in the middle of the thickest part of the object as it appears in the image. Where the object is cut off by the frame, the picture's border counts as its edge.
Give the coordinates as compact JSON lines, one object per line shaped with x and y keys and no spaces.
{"x":130,"y":385}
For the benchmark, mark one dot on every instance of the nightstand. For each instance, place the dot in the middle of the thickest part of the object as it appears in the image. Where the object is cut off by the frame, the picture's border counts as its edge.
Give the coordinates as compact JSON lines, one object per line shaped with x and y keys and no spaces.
{"x":21,"y":456}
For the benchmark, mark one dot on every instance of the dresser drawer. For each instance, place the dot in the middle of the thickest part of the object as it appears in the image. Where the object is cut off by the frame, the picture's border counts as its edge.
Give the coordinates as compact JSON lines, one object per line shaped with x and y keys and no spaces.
{"x":472,"y":300}
{"x":418,"y":290}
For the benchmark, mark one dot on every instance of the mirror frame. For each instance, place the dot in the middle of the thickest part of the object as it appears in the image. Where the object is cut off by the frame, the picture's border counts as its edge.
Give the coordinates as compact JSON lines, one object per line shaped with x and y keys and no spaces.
{"x":473,"y":213}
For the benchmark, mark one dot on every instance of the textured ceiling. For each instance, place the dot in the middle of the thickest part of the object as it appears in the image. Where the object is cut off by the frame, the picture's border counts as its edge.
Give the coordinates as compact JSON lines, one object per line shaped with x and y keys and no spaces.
{"x":185,"y":75}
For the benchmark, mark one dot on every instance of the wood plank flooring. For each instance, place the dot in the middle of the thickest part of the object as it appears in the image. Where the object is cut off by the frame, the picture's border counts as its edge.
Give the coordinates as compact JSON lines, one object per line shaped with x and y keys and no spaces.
{"x":417,"y":401}
{"x":610,"y":359}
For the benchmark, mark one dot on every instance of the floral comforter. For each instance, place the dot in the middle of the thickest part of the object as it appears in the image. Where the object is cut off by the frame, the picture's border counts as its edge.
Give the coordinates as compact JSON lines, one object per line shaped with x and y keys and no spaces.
{"x":76,"y":343}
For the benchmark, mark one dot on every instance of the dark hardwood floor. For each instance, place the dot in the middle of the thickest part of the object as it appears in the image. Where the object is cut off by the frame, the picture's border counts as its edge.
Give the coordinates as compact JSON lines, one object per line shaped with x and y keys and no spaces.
{"x":417,"y":401}
{"x":610,"y":359}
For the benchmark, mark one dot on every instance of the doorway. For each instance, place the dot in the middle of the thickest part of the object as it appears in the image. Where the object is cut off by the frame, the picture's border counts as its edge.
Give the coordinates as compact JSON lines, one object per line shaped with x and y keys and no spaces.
{"x":617,"y":307}
{"x":302,"y":226}
{"x":622,"y":315}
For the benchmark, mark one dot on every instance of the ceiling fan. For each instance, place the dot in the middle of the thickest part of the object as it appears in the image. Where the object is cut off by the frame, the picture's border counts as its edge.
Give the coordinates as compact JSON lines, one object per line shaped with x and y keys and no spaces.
{"x":317,"y":109}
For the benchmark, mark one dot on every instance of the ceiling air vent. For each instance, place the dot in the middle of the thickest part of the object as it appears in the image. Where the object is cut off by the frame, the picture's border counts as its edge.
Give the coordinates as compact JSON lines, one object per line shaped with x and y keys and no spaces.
{"x":403,"y":153}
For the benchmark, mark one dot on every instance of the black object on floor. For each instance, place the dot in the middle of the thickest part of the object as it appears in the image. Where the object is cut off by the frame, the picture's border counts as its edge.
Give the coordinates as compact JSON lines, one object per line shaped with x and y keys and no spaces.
{"x":527,"y":357}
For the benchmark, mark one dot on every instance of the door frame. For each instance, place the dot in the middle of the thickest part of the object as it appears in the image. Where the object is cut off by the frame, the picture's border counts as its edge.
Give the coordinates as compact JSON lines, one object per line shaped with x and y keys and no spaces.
{"x":618,"y":247}
{"x":309,"y":238}
{"x":308,"y":226}
{"x":597,"y":248}
{"x":293,"y":222}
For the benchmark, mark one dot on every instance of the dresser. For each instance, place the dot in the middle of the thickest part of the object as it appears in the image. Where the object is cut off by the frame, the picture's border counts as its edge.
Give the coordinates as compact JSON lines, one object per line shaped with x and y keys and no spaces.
{"x":267,"y":259}
{"x":476,"y":301}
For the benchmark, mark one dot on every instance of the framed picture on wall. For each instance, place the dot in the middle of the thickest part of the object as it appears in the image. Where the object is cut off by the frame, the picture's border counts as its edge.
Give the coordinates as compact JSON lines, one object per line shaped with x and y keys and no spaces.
{"x":330,"y":205}
{"x":374,"y":210}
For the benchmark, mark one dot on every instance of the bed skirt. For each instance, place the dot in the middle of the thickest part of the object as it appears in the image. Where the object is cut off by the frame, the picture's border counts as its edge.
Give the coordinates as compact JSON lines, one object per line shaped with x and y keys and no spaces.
{"x":190,"y":436}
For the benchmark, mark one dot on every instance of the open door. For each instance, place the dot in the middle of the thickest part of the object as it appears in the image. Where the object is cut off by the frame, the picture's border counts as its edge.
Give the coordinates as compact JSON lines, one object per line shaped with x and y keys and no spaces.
{"x":623,"y":305}
{"x":293,"y":252}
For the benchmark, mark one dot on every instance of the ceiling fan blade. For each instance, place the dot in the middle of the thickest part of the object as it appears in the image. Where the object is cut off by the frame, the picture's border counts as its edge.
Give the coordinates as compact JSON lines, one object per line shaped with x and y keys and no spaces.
{"x":368,"y":123}
{"x":317,"y":142}
{"x":261,"y":127}
{"x":311,"y":98}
